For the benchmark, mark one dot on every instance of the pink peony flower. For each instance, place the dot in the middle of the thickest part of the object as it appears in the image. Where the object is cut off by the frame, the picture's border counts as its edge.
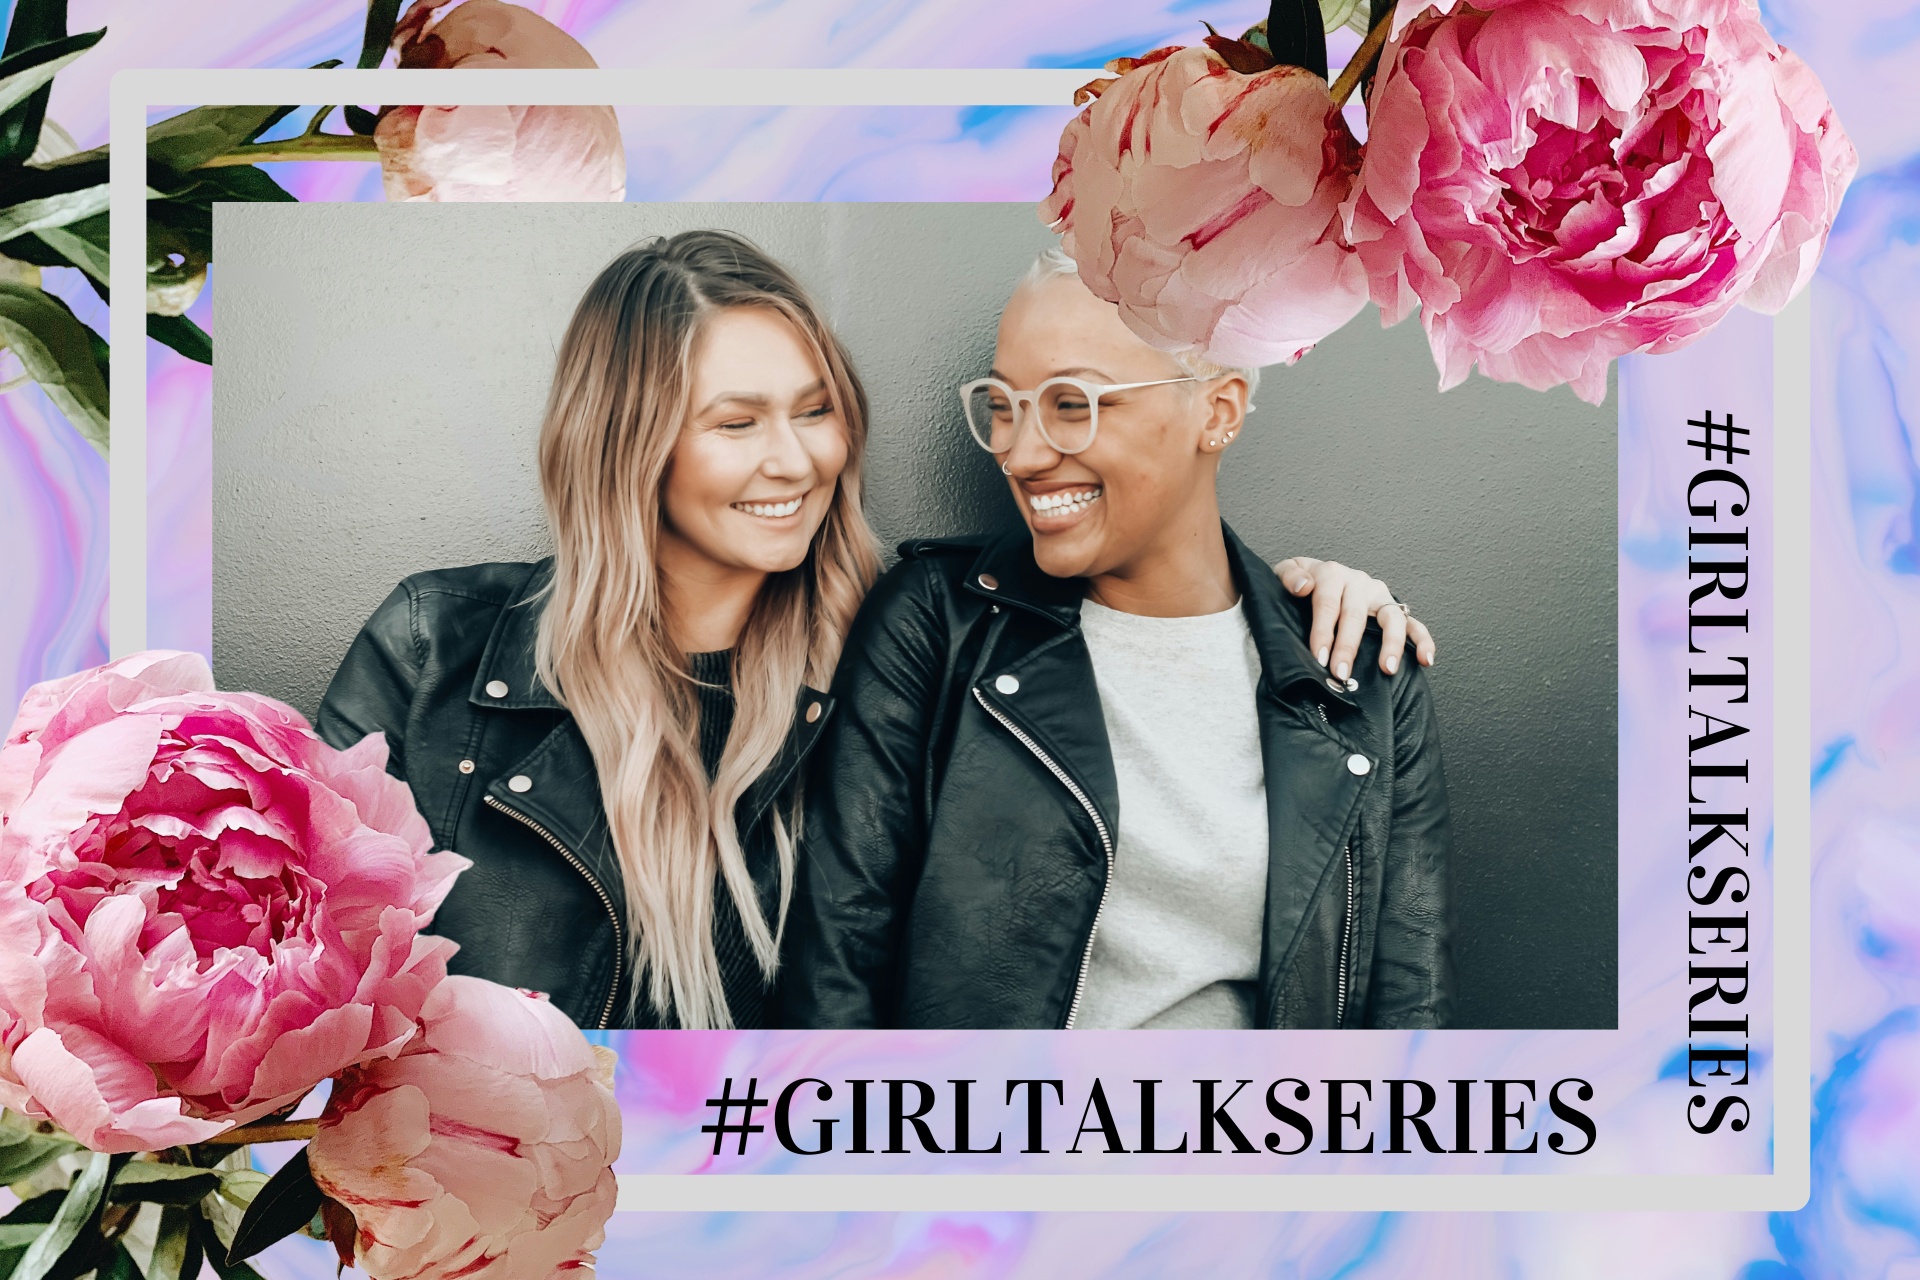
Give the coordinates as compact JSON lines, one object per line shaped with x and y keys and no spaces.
{"x":484,"y":1150}
{"x":495,"y":153}
{"x":1559,"y":182}
{"x":1204,"y":200}
{"x":205,"y":910}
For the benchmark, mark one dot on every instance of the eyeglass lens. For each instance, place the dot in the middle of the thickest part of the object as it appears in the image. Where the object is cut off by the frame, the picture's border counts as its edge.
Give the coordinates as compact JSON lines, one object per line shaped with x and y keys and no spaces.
{"x":1067,"y":415}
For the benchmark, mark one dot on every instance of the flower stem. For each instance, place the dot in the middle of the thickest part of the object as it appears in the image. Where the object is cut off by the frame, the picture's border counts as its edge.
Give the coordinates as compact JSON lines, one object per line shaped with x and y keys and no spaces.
{"x":313,"y":126}
{"x":1361,"y":63}
{"x":311,"y":146}
{"x":287,"y":1131}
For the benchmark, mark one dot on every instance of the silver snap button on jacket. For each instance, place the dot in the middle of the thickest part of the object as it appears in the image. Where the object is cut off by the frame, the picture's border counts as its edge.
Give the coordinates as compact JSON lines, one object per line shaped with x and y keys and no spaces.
{"x":813,"y":712}
{"x":466,"y":766}
{"x":1358,"y":765}
{"x":1007,"y":684}
{"x":521,"y":782}
{"x":496,"y":688}
{"x":990,"y":582}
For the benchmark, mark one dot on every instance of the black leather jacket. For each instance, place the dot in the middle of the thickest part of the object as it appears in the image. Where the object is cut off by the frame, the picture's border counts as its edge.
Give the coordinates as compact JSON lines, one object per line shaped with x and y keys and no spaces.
{"x":960,"y":826}
{"x":502,"y":775}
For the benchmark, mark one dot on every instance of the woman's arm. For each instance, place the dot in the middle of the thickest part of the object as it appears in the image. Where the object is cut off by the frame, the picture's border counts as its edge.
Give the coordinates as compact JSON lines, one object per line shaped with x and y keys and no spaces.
{"x":863,"y":834}
{"x":1412,"y":982}
{"x":1345,"y":598}
{"x":372,"y":692}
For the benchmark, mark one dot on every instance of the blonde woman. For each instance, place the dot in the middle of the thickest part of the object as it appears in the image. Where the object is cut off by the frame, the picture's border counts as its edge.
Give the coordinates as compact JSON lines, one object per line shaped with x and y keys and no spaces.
{"x":614,"y":735}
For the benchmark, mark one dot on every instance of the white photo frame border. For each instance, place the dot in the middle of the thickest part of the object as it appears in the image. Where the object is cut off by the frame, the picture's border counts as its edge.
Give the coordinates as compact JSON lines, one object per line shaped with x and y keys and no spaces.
{"x":1787,"y":1187}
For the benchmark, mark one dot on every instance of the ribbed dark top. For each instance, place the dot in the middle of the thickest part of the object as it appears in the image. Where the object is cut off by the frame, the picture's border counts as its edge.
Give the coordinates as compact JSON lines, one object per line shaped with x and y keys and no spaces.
{"x":740,"y":973}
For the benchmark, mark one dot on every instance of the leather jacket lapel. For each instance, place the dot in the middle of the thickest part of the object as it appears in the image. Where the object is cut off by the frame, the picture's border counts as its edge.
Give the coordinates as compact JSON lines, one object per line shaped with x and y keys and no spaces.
{"x":811,"y":714}
{"x":505,"y":677}
{"x":562,"y":792}
{"x":1050,"y":695}
{"x":1313,"y":808}
{"x":1053,"y":697}
{"x":556,"y":788}
{"x":1278,"y":633}
{"x":1313,"y":789}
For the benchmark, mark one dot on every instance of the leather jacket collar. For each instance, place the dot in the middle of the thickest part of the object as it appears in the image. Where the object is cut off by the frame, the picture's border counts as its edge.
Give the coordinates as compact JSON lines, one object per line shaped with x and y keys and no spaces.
{"x":506,"y":679}
{"x":1005,"y":572}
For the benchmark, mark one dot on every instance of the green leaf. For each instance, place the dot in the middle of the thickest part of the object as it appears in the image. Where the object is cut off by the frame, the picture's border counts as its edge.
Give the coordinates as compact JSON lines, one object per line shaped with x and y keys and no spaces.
{"x":233,"y":182}
{"x":171,"y":1245}
{"x":52,"y":343}
{"x":24,"y":73}
{"x":121,"y":1267}
{"x":1335,"y":13}
{"x":53,"y":196}
{"x":185,"y":141}
{"x":81,"y":1200}
{"x":381,"y":17}
{"x":81,"y":244}
{"x":31,"y":248}
{"x":36,"y":22}
{"x":70,"y":174}
{"x":183,"y":335}
{"x":193,"y":222}
{"x":18,"y":1235}
{"x":217,"y":1254}
{"x":37,"y":46}
{"x":360,"y":120}
{"x":24,"y":1152}
{"x":25,"y":1148}
{"x":42,"y":1208}
{"x":240,"y":1186}
{"x":53,"y":211}
{"x":145,"y":1180}
{"x":286,"y":1204}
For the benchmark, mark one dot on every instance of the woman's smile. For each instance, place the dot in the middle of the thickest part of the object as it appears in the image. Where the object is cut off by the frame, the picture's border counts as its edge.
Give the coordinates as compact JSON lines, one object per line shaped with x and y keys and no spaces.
{"x":777,"y":509}
{"x":1054,"y":506}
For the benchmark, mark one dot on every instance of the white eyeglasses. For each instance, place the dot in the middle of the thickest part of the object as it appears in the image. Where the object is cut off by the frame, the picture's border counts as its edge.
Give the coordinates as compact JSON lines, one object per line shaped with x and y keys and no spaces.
{"x":1066,"y":409}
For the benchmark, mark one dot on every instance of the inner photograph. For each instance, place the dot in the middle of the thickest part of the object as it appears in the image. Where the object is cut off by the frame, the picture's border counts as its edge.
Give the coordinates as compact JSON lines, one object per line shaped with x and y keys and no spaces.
{"x":836,"y":616}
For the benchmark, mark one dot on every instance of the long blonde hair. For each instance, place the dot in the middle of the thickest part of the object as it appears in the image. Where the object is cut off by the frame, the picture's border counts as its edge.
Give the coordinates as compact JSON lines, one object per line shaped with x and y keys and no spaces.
{"x":621,"y":385}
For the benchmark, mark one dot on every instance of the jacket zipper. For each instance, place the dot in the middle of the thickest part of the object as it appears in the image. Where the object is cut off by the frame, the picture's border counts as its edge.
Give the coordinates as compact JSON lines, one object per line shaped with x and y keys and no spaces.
{"x":1346,"y":921}
{"x":619,"y":932}
{"x":1106,"y":843}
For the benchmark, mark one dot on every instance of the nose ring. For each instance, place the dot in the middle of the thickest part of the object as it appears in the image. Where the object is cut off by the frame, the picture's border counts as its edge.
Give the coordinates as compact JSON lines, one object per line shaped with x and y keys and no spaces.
{"x":1004,"y":471}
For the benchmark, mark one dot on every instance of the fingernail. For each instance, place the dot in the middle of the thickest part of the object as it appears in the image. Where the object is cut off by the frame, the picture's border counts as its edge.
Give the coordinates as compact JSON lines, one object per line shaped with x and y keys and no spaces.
{"x":1322,"y":655}
{"x":1303,"y":585}
{"x":1428,"y":658}
{"x":1341,"y":671}
{"x":1393,"y":664}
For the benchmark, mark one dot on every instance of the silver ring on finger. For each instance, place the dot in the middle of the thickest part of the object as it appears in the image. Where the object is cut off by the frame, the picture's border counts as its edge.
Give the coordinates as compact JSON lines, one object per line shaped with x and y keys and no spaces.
{"x":1405,"y":608}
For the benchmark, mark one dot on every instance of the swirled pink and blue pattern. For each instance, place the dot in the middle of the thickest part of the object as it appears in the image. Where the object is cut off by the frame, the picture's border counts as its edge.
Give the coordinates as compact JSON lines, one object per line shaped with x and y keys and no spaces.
{"x":1864,"y":1217}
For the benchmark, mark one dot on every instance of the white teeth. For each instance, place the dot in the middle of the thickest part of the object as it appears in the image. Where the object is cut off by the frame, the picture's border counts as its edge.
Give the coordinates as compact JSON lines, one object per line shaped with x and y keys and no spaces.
{"x":773,"y":510}
{"x":1066,"y":502}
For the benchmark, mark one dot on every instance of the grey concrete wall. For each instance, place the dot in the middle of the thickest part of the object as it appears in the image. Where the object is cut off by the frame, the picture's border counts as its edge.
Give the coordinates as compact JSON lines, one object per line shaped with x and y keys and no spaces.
{"x":377,"y":396}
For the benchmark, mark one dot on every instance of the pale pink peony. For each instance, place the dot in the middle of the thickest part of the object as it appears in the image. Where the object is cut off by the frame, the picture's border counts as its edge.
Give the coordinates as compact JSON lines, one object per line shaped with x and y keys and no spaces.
{"x":483,"y":1150}
{"x":495,"y":153}
{"x":205,"y":910}
{"x":1559,"y":182}
{"x":1205,"y":202}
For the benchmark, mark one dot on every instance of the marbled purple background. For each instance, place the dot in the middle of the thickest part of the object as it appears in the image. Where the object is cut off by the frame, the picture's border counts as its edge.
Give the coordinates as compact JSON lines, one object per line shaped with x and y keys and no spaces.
{"x":1864,"y":1217}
